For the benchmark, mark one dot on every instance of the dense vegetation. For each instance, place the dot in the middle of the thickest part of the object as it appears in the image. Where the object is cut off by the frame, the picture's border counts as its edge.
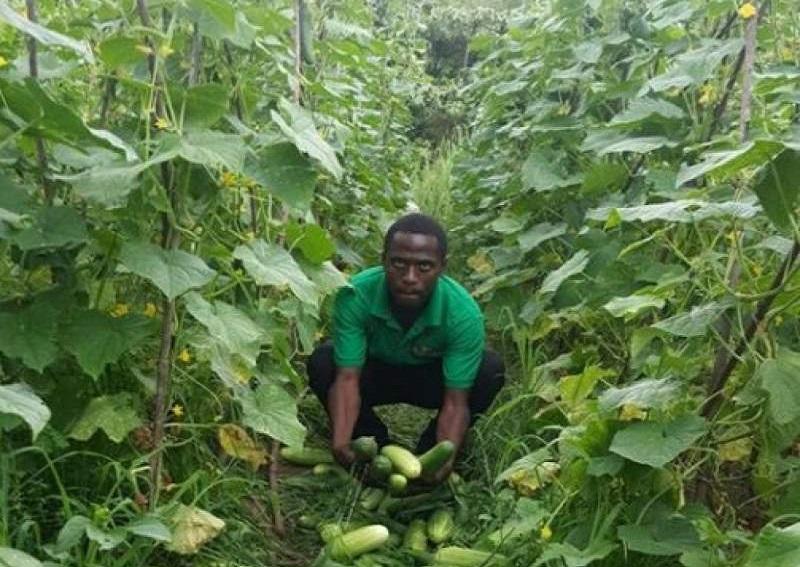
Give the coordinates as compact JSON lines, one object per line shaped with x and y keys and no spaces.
{"x":183,"y":186}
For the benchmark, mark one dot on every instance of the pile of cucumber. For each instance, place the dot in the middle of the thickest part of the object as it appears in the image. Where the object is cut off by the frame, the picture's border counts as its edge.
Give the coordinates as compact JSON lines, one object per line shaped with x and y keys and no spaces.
{"x":389,"y":472}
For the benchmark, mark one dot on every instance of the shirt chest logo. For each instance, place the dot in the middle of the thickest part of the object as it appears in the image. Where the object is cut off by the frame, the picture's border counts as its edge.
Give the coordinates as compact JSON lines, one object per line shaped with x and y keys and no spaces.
{"x":422,"y":350}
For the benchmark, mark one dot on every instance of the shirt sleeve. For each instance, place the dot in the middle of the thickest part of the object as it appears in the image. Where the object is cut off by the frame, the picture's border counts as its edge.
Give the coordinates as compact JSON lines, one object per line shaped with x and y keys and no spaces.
{"x":349,"y":329}
{"x":464,"y":353}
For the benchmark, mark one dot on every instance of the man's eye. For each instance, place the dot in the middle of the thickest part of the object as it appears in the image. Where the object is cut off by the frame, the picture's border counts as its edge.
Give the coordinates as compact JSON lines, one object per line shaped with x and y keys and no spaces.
{"x":425,"y":267}
{"x":399,"y":264}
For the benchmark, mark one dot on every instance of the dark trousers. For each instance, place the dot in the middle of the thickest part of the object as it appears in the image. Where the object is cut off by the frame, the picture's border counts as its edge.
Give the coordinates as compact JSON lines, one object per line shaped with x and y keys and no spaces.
{"x":419,"y":385}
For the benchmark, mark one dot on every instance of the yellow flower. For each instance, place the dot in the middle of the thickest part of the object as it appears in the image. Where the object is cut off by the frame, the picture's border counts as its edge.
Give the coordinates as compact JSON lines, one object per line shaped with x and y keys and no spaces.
{"x":177,"y":410}
{"x":3,"y":61}
{"x":165,"y":50}
{"x":631,"y":412}
{"x":119,"y":310}
{"x":185,"y":356}
{"x":144,"y":49}
{"x":150,"y":310}
{"x":546,"y":533}
{"x":228,"y":179}
{"x":708,"y":94}
{"x":747,"y":11}
{"x":161,"y":123}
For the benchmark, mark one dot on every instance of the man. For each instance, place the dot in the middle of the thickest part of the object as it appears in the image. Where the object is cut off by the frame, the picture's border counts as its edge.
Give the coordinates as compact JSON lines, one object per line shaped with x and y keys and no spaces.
{"x":404,"y":332}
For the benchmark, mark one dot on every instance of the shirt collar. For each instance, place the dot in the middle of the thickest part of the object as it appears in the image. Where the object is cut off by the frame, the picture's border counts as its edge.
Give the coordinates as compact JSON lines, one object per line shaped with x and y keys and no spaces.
{"x":431,"y":316}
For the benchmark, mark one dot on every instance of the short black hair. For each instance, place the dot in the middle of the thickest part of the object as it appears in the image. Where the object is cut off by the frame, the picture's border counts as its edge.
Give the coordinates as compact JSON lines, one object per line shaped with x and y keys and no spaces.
{"x":417,"y":223}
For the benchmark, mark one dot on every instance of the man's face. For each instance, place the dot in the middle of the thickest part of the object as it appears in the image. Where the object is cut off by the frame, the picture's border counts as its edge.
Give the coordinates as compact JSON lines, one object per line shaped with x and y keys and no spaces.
{"x":413,"y":265}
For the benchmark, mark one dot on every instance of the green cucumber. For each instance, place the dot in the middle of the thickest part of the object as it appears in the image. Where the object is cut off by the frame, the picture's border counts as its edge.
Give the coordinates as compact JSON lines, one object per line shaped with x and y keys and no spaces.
{"x":397,"y":483}
{"x":416,"y":538}
{"x":436,"y":457}
{"x":306,"y":456}
{"x":347,"y":547}
{"x":380,"y":468}
{"x":403,"y":461}
{"x":441,"y":526}
{"x":371,"y":498}
{"x":365,"y":448}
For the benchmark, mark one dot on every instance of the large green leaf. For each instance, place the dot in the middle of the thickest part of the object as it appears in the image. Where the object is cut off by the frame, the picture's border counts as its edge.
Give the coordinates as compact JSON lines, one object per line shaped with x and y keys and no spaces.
{"x":119,"y":51}
{"x":641,"y":109}
{"x":684,"y":211}
{"x":284,"y":171}
{"x":149,"y":527}
{"x":642,"y":394}
{"x":272,"y":265}
{"x":52,"y":227}
{"x":571,"y":267}
{"x":113,"y":414}
{"x":205,"y":105}
{"x":577,"y":387}
{"x":172,"y":271}
{"x":272,"y":411}
{"x":19,"y":400}
{"x":777,"y":187}
{"x":301,"y":131}
{"x":656,"y":444}
{"x":779,"y":378}
{"x":722,"y":164}
{"x":42,"y":34}
{"x":604,"y":142}
{"x":632,"y":305}
{"x":97,"y":339}
{"x":661,"y":537}
{"x":694,"y":67}
{"x":30,"y":335}
{"x":776,"y":547}
{"x":15,"y":558}
{"x":541,"y":174}
{"x":312,"y":240}
{"x":228,"y":326}
{"x":539,"y":233}
{"x":211,"y":148}
{"x":693,"y":323}
{"x":571,"y":556}
{"x":325,"y":276}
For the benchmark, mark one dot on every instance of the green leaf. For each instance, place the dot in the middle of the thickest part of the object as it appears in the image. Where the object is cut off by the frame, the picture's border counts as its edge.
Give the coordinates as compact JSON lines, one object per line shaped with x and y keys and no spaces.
{"x":777,"y":187}
{"x":97,"y":339}
{"x":272,"y":265}
{"x":604,"y":175}
{"x":539,"y":233}
{"x":630,"y":306}
{"x":228,"y":326}
{"x":721,"y":165}
{"x":303,"y":134}
{"x":642,"y":394}
{"x":52,"y":227}
{"x":120,"y":51}
{"x":205,"y":105}
{"x":212,"y":149}
{"x":528,"y":516}
{"x":30,"y":335}
{"x":13,"y":557}
{"x":285,"y":172}
{"x":325,"y":276}
{"x":507,"y":224}
{"x":113,"y":414}
{"x":71,"y":533}
{"x":666,"y":536}
{"x":149,"y":527}
{"x":656,"y":444}
{"x":272,"y":411}
{"x":541,"y":174}
{"x":19,"y":400}
{"x":529,"y":462}
{"x":42,"y":34}
{"x":312,"y":240}
{"x":604,"y":142}
{"x":695,"y":323}
{"x":779,"y":378}
{"x":577,"y":387}
{"x":571,"y":267}
{"x":776,"y":547}
{"x":694,"y":67}
{"x":105,"y":540}
{"x":574,"y":557}
{"x":215,"y":18}
{"x":685,"y":211}
{"x":641,"y":109}
{"x":174,"y":272}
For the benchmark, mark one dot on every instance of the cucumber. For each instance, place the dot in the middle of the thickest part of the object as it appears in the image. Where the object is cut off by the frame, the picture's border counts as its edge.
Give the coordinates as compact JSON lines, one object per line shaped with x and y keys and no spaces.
{"x":435,"y":458}
{"x":397,"y":483}
{"x":403,"y":461}
{"x":327,"y":468}
{"x":306,"y":456}
{"x":347,"y":547}
{"x":371,"y":498}
{"x":416,"y":538}
{"x":441,"y":526}
{"x":365,"y":448}
{"x":380,"y":468}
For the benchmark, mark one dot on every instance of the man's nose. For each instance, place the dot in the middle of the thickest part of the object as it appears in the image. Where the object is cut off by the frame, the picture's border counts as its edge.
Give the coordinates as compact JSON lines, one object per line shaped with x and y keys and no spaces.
{"x":411,"y":275}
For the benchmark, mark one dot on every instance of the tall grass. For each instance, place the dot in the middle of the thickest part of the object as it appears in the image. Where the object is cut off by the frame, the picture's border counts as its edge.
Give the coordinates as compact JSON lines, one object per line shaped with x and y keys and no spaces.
{"x":432,"y":189}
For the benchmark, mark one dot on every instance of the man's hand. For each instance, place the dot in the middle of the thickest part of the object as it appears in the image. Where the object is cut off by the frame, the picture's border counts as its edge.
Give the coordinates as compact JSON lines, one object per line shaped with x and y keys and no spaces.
{"x":344,"y":455}
{"x":441,"y":475}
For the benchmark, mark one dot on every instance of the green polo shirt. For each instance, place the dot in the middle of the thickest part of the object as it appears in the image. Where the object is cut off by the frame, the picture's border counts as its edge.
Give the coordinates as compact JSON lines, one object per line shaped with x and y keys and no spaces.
{"x":449,"y":328}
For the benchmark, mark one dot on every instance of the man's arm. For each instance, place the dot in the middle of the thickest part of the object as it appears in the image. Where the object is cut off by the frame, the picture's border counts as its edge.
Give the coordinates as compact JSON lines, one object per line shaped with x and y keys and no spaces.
{"x":344,"y":403}
{"x":452,"y":424}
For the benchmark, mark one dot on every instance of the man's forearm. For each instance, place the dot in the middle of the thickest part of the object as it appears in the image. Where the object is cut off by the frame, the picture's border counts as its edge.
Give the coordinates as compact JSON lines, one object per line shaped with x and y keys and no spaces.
{"x":452,"y":424}
{"x":344,"y":403}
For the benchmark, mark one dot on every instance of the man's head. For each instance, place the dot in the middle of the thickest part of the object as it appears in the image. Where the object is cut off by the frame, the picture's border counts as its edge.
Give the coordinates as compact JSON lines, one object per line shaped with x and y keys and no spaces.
{"x":414,"y":256}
